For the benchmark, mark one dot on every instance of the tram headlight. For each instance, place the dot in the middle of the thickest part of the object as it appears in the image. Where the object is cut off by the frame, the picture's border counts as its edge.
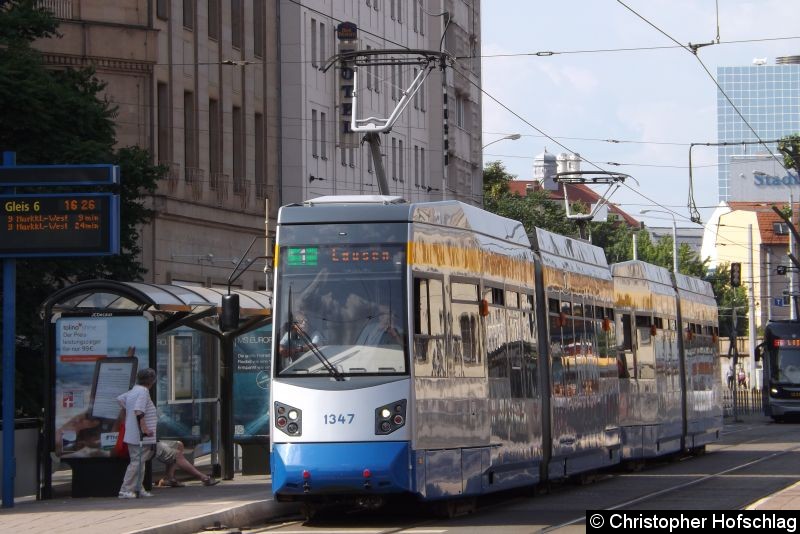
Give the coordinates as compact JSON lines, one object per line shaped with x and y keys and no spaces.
{"x":390,"y":417}
{"x":774,"y":391}
{"x":289,"y":420}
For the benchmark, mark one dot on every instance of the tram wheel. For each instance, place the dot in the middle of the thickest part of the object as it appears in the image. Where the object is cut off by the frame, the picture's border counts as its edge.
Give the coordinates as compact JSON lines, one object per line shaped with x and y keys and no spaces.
{"x":778,"y":419}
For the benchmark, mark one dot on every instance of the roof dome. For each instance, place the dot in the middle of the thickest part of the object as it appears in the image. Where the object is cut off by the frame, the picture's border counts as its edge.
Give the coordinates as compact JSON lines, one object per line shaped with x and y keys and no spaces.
{"x":545,"y":156}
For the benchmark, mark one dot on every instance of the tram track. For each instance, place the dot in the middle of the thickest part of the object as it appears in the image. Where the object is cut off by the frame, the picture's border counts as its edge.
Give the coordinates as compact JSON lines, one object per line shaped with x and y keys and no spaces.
{"x":701,"y":478}
{"x":746,"y":456}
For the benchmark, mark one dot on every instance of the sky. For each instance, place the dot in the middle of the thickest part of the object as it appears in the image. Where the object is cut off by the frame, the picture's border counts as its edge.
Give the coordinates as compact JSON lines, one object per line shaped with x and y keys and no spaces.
{"x":658,"y":101}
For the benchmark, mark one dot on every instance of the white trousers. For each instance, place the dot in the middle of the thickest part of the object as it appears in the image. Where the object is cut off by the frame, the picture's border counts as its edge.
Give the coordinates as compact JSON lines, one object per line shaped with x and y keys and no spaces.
{"x":135,"y":472}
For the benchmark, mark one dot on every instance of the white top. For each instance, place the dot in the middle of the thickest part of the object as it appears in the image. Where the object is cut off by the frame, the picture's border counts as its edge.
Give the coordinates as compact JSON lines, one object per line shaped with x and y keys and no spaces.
{"x":137,"y":399}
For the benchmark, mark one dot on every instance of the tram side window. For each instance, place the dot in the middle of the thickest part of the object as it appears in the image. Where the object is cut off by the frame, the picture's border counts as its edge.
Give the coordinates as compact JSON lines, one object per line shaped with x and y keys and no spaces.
{"x":530,"y":365}
{"x":428,"y":327}
{"x":515,"y":344}
{"x":464,"y":309}
{"x":496,"y":335}
{"x":626,"y":362}
{"x":645,"y":355}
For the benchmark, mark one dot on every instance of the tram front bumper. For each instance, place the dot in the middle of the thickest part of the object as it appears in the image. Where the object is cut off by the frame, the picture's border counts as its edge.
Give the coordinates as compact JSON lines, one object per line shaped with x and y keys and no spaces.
{"x":319,"y":469}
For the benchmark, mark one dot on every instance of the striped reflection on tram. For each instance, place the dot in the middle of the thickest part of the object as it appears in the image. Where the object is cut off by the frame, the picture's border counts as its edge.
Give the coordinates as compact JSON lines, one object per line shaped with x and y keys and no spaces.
{"x":434,"y":350}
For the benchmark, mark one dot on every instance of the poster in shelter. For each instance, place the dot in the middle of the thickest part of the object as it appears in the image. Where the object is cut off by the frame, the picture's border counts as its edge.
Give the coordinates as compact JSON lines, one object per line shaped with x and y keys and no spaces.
{"x":96,"y":359}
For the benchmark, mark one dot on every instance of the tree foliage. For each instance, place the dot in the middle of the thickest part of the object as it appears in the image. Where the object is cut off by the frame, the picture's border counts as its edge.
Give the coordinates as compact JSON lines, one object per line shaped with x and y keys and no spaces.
{"x":58,"y":116}
{"x":790,"y":148}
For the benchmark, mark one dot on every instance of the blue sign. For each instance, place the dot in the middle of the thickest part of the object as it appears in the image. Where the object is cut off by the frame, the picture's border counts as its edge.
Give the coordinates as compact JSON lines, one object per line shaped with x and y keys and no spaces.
{"x":39,"y":175}
{"x":251,"y":379}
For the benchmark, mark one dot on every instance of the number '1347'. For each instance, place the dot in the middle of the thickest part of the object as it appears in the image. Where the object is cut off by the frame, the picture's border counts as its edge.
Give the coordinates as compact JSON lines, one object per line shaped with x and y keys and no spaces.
{"x":338,"y":418}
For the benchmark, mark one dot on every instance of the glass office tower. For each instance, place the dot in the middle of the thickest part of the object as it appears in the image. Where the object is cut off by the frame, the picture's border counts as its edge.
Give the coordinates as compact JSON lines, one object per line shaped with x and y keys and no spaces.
{"x":769,"y":98}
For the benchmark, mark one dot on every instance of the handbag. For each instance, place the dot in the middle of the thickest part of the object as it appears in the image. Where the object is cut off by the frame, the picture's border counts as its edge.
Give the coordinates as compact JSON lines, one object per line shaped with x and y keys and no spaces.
{"x":120,"y":449}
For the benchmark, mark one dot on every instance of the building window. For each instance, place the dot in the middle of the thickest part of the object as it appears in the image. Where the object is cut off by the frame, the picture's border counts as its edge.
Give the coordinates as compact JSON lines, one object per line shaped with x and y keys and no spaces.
{"x":214,"y":139}
{"x":322,"y":53}
{"x":261,"y":183}
{"x":188,"y":14}
{"x":421,"y":19}
{"x":416,"y":166}
{"x":236,"y":23}
{"x":351,"y":157}
{"x":422,"y":167}
{"x":213,"y":19}
{"x":189,"y":134}
{"x":369,"y":72}
{"x":323,"y":140}
{"x":369,"y":158}
{"x":161,"y":9}
{"x":392,"y":9}
{"x":394,"y":159}
{"x":459,"y":111}
{"x":314,"y":151}
{"x":780,"y":228}
{"x":416,"y":93}
{"x":414,"y":17}
{"x":238,"y":150}
{"x":164,"y":151}
{"x":400,"y":175}
{"x":313,"y":50}
{"x":259,"y":20}
{"x":375,"y":4}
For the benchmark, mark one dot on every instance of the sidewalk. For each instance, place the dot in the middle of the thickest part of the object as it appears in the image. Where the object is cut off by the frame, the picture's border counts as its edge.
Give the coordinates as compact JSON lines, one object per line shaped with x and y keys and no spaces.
{"x":243,"y":501}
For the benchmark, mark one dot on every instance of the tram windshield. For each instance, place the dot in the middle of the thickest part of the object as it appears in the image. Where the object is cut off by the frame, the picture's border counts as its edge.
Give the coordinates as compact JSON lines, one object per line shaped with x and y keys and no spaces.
{"x":341,"y":310}
{"x":786,"y":365}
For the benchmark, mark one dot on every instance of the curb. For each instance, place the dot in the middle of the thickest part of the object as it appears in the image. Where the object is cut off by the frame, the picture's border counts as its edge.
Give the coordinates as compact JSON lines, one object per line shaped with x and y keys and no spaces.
{"x":236,"y":516}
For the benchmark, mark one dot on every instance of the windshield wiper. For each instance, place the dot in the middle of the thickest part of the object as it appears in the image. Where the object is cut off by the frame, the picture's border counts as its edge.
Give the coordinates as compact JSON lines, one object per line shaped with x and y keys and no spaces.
{"x":318,"y":353}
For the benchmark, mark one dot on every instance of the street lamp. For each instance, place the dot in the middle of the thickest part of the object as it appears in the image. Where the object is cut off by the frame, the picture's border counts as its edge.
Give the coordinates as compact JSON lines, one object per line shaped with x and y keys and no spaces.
{"x":674,"y":237}
{"x":512,"y":137}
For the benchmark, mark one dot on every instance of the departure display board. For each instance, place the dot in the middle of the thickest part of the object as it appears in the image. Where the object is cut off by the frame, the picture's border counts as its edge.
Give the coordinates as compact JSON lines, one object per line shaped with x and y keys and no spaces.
{"x":68,"y":224}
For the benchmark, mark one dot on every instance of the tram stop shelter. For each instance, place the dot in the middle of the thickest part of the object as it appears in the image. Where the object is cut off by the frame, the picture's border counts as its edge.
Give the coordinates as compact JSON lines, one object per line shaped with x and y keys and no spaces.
{"x":212,"y":388}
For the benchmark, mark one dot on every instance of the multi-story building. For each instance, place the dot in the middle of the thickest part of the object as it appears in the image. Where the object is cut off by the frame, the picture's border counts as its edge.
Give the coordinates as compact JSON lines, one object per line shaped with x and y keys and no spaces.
{"x":319,"y":156}
{"x":230,"y":95}
{"x":197,"y":84}
{"x":768,"y":96}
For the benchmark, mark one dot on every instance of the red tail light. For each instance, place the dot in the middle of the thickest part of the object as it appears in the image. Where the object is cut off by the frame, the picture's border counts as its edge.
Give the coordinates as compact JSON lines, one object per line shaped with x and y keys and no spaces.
{"x":367,"y":473}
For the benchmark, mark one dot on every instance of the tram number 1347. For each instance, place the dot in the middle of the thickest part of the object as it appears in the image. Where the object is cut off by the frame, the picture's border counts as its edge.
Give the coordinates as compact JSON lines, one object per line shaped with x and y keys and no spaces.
{"x":338,"y":418}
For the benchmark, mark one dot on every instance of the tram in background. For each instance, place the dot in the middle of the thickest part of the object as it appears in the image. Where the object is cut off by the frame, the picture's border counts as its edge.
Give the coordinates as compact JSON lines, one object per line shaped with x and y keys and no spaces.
{"x":780,"y":356}
{"x":434,"y":350}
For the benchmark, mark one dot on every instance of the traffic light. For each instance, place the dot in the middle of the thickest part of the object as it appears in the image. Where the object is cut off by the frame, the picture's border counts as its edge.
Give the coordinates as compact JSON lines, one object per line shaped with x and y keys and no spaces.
{"x":736,"y":274}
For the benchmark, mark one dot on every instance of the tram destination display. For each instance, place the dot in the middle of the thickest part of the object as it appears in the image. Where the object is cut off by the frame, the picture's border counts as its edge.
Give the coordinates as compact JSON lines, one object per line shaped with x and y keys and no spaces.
{"x":59,"y":224}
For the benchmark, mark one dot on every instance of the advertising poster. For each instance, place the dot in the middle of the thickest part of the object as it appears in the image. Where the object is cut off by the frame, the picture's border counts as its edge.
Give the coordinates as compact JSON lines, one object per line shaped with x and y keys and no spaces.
{"x":96,"y":359}
{"x":251,"y":372}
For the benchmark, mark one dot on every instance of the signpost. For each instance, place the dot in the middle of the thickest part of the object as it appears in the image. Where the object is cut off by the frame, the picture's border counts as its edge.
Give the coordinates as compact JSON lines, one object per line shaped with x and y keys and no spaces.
{"x":46,"y":225}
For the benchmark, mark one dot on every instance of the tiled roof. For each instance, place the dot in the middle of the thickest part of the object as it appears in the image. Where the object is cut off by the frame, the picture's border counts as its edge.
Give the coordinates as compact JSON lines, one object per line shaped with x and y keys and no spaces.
{"x":766,"y":217}
{"x":576,"y":192}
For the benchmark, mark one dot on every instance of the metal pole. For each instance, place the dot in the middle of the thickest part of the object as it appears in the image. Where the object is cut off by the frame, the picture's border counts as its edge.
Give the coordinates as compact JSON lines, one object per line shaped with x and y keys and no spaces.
{"x":792,"y":298}
{"x":674,"y":246}
{"x":735,"y":351}
{"x":751,"y":325}
{"x":9,"y":367}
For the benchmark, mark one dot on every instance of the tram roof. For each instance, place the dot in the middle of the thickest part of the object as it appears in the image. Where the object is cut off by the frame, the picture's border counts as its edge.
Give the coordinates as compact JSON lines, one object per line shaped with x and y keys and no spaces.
{"x":381,"y":209}
{"x":571,"y":254}
{"x":695,"y":289}
{"x":657,"y":278}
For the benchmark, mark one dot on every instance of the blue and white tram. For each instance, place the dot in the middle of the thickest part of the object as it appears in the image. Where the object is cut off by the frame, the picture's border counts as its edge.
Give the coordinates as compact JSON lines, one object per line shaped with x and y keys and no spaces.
{"x":432,"y":350}
{"x":449,"y":410}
